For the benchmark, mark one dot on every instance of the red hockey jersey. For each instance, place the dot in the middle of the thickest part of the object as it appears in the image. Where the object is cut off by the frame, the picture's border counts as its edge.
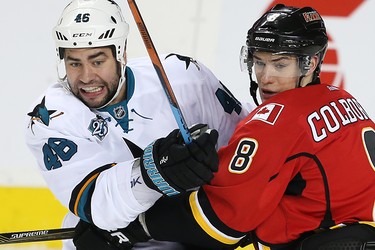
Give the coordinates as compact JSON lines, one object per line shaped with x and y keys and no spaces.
{"x":303,"y":160}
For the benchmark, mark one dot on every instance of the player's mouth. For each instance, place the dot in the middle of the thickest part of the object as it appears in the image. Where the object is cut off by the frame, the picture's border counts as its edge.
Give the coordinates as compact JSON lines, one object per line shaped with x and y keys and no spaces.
{"x":92,"y":89}
{"x":267,"y":94}
{"x":92,"y":92}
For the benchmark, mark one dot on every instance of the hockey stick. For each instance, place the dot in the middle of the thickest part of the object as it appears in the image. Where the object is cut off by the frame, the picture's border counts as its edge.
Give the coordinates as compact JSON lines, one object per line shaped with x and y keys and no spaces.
{"x":160,"y":71}
{"x":68,"y":233}
{"x":36,"y":235}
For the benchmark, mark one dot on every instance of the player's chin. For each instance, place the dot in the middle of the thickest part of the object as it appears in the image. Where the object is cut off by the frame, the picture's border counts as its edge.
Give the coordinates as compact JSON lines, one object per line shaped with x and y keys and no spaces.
{"x":95,"y":102}
{"x":265,"y":95}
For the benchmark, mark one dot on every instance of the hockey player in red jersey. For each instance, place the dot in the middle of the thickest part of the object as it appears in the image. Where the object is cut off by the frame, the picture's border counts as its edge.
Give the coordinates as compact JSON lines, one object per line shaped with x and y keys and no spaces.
{"x":302,"y":162}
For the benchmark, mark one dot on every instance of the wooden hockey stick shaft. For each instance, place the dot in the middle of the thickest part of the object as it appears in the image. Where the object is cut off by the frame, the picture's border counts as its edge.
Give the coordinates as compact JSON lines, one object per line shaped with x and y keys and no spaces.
{"x":160,"y":71}
{"x":36,"y":235}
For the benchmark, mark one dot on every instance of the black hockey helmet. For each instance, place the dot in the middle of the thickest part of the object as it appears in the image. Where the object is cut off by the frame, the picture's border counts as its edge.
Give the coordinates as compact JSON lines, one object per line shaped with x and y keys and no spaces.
{"x":288,"y":30}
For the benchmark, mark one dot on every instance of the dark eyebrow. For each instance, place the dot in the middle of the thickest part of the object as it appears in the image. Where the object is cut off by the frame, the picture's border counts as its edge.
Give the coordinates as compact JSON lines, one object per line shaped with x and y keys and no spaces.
{"x":90,"y":57}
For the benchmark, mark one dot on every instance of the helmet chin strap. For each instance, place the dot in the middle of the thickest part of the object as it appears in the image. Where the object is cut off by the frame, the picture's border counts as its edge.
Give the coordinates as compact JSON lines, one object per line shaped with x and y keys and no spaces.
{"x":254,"y":87}
{"x":298,"y":84}
{"x":253,"y":90}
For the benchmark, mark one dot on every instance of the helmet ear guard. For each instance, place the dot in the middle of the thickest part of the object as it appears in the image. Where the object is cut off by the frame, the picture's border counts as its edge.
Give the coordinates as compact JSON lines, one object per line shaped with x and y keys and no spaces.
{"x":304,"y":64}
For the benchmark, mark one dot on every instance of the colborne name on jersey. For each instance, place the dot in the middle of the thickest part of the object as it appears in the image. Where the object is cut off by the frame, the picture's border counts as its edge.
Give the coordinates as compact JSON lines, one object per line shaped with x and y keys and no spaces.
{"x":331,"y":117}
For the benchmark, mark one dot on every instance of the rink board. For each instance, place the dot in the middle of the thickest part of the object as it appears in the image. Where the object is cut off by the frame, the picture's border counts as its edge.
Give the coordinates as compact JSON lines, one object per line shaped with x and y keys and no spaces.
{"x":31,"y":208}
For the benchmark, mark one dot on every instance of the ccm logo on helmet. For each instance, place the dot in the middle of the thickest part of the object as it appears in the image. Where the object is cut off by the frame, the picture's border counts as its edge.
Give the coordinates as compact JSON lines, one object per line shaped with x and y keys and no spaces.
{"x":82,"y":34}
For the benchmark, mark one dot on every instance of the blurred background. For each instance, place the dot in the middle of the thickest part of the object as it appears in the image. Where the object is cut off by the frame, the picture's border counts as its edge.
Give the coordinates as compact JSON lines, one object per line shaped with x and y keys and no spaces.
{"x":211,"y":31}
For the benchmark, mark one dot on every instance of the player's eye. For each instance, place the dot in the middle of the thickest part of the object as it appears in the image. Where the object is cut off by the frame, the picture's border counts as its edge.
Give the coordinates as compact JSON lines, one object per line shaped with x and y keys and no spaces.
{"x":280,"y":65}
{"x":259,"y":63}
{"x":98,"y":63}
{"x":75,"y":65}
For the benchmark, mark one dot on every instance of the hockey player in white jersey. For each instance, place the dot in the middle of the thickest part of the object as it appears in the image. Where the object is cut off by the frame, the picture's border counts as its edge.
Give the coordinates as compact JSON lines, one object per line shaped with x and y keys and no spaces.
{"x":89,"y":131}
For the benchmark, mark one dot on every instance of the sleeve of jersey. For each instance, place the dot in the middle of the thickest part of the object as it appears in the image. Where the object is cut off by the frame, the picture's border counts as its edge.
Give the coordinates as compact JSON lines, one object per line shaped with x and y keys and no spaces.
{"x":182,"y":219}
{"x":253,"y":174}
{"x":223,"y":109}
{"x":93,"y":189}
{"x":82,"y":174}
{"x":213,"y":103}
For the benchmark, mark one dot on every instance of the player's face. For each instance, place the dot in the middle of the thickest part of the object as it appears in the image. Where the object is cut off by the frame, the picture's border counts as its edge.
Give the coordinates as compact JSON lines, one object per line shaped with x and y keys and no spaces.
{"x":92,"y":74}
{"x":275,"y":73}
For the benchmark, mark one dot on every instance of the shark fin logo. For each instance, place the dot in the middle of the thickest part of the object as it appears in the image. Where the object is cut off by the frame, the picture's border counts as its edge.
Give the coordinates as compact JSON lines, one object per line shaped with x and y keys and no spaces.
{"x":41,"y":114}
{"x":185,"y":59}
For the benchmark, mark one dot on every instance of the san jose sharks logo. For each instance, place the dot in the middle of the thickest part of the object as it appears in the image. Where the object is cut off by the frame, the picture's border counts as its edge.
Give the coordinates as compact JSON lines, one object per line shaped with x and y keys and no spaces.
{"x":185,"y":59}
{"x":41,"y":114}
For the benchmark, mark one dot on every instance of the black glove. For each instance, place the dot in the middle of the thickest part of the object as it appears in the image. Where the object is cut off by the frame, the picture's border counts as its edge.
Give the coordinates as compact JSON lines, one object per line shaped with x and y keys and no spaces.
{"x":169,"y":166}
{"x":89,"y":237}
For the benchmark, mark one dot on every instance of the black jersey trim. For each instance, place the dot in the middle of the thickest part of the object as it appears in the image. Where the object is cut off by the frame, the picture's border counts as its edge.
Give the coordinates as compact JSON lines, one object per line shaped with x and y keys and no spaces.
{"x":80,"y":200}
{"x":207,"y":219}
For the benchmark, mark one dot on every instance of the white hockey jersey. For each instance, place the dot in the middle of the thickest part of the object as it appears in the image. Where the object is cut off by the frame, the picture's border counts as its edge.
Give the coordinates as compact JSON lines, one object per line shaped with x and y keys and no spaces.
{"x":86,"y":155}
